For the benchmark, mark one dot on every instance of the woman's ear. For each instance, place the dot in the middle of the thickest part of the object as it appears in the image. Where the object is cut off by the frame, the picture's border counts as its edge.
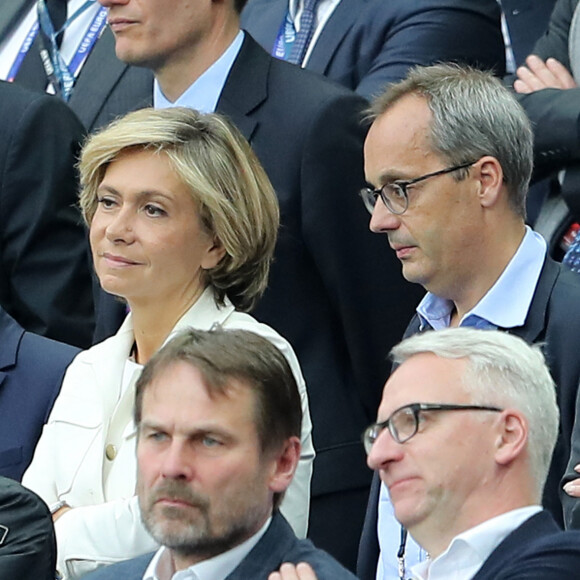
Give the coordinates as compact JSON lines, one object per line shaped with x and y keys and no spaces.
{"x":214,"y":254}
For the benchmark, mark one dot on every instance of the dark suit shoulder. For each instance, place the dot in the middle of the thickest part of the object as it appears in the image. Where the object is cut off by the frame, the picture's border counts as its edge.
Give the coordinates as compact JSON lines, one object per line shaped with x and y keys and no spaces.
{"x":128,"y":570}
{"x":278,"y":545}
{"x":536,"y":550}
{"x":31,"y":372}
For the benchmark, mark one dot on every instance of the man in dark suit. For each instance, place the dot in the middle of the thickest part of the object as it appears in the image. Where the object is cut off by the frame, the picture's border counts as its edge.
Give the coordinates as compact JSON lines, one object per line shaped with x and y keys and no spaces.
{"x":450,"y":152}
{"x":218,"y":417}
{"x":467,"y":426}
{"x":328,"y":270}
{"x":45,"y":280}
{"x":366,"y":44}
{"x":105,"y":87}
{"x":465,"y":432}
{"x":31,"y":372}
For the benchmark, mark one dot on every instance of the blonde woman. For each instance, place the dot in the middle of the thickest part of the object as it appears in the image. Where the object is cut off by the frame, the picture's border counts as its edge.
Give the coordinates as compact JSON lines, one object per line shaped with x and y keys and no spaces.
{"x":183,"y":223}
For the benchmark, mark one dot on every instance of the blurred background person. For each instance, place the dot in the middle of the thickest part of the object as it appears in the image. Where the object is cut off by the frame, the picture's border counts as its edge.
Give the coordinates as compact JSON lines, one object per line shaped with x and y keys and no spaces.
{"x":99,"y":87}
{"x":31,"y":372}
{"x":183,"y":224}
{"x":366,"y":44}
{"x":45,"y":275}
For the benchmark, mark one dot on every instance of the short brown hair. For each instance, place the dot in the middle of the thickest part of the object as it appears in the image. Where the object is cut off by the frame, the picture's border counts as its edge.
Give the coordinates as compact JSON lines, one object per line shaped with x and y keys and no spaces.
{"x":221,"y":355}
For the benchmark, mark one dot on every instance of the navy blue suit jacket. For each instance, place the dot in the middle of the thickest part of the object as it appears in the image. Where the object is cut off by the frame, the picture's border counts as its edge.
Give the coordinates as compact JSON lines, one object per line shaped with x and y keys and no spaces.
{"x":45,"y":276}
{"x":527,"y":20}
{"x":31,"y":372}
{"x":277,"y":545}
{"x":553,"y":319}
{"x":536,"y":550}
{"x":368,"y":43}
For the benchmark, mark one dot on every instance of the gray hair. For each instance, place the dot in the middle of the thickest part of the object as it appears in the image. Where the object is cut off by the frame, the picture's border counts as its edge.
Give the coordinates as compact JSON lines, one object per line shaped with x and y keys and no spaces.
{"x":235,"y":200}
{"x":473,"y":115}
{"x":504,"y":371}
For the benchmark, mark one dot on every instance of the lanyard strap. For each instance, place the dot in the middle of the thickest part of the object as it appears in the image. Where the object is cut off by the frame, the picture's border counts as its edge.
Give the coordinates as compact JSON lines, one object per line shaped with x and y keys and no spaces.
{"x":61,"y":76}
{"x":285,"y":39}
{"x":22,"y":52}
{"x":401,"y":553}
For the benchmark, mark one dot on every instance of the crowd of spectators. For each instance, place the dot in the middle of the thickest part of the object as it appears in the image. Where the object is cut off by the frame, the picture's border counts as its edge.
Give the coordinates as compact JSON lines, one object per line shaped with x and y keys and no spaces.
{"x":168,"y":164}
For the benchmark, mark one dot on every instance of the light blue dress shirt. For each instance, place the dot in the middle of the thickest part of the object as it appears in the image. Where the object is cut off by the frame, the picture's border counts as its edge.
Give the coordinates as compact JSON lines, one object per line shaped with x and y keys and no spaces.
{"x":205,"y":92}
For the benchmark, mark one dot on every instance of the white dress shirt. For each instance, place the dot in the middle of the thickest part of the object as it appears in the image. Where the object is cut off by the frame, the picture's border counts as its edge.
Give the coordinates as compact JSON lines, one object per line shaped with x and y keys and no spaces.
{"x":219,"y":567}
{"x":469,"y":550}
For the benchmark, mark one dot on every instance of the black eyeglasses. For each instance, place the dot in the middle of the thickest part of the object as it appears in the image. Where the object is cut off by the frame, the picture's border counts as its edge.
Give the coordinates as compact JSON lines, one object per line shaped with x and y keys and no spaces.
{"x":395,"y":195}
{"x":404,"y":422}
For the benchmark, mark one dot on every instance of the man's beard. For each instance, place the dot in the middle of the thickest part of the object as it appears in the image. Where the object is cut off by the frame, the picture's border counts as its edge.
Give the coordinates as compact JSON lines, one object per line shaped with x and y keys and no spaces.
{"x":191,"y":534}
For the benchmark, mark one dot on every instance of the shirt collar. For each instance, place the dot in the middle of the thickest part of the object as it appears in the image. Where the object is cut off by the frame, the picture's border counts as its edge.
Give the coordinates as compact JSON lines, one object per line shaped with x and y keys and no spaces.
{"x":204,"y":93}
{"x":216,"y":568}
{"x":501,"y":307}
{"x":468,"y":551}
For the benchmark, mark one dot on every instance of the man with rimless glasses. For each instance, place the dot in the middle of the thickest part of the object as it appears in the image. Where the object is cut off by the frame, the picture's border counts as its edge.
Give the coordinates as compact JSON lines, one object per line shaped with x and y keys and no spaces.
{"x":448,"y":159}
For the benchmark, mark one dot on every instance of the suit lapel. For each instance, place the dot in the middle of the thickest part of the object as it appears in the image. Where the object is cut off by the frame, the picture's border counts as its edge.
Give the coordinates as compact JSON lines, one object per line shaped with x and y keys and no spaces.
{"x":268,"y":554}
{"x":538,"y":525}
{"x":535,"y":322}
{"x":239,"y":98}
{"x":11,"y":334}
{"x":11,"y":11}
{"x":333,"y":33}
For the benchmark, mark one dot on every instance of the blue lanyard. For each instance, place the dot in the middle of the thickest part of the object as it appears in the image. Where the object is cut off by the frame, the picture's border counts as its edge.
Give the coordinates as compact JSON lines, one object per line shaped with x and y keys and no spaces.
{"x":22,"y":52}
{"x":92,"y":35}
{"x":285,"y":39}
{"x":59,"y":74}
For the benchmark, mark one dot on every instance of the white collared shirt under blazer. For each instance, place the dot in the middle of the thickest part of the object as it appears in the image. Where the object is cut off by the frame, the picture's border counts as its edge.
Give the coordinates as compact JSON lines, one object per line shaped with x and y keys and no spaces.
{"x":92,"y":422}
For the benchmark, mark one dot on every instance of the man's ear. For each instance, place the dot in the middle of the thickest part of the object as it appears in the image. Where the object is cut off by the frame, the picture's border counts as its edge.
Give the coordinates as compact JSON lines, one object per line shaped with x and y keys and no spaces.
{"x":490,"y":174}
{"x":284,"y":465}
{"x":512,"y":436}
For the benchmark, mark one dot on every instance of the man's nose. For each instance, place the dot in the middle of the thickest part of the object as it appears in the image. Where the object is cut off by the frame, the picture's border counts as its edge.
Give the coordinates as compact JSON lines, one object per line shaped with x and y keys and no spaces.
{"x":384,"y":450}
{"x":177,"y":462}
{"x":382,"y":219}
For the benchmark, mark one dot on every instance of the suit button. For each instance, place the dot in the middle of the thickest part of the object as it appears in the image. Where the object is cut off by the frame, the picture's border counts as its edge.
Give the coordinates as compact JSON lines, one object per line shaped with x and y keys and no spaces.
{"x":110,"y":452}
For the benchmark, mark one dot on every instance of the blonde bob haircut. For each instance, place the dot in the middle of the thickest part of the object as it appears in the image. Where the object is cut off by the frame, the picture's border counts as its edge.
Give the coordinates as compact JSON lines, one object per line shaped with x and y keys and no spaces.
{"x":234,"y":197}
